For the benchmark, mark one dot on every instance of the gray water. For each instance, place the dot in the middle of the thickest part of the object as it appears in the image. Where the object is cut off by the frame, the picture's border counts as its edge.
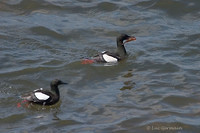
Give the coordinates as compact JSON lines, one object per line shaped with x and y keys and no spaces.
{"x":156,"y":89}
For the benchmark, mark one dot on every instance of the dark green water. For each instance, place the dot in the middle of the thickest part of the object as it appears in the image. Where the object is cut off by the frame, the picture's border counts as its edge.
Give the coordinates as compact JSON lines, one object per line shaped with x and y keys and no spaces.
{"x":155,"y":90}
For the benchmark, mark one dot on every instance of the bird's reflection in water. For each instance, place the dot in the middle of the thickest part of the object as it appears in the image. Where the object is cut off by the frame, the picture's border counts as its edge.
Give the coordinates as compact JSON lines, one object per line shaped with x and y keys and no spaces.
{"x":128,"y":84}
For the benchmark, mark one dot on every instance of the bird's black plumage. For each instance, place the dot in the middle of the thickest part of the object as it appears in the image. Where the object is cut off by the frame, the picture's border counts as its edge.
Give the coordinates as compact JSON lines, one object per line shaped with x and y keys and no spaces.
{"x":120,"y":54}
{"x":45,"y":97}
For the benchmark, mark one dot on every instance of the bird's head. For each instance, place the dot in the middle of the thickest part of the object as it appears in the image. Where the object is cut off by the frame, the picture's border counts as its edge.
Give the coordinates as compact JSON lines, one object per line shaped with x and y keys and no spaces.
{"x":124,"y":38}
{"x":57,"y":82}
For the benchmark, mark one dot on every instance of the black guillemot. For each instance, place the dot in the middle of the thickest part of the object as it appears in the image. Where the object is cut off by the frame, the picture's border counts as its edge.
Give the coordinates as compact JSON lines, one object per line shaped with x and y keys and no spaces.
{"x":108,"y":57}
{"x":45,"y":97}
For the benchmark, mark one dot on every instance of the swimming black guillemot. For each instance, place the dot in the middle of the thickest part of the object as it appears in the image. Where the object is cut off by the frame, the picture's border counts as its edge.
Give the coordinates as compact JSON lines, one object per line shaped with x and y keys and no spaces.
{"x":108,"y":57}
{"x":44,"y":97}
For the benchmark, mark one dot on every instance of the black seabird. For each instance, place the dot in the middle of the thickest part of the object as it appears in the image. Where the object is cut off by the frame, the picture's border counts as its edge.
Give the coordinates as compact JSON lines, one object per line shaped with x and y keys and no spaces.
{"x":108,"y":57}
{"x":45,"y":97}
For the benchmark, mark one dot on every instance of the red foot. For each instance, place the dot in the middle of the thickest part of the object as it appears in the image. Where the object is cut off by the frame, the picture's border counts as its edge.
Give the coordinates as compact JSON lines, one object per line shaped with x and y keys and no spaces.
{"x":22,"y":102}
{"x":19,"y":105}
{"x":87,"y":61}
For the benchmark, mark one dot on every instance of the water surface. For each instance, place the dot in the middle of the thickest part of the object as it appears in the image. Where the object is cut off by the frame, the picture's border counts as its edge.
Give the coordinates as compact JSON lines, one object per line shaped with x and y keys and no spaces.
{"x":156,"y":89}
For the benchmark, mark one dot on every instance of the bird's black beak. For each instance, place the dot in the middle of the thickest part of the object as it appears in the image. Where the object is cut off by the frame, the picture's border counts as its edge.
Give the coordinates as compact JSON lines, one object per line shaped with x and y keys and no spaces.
{"x":131,"y":38}
{"x":63,"y":83}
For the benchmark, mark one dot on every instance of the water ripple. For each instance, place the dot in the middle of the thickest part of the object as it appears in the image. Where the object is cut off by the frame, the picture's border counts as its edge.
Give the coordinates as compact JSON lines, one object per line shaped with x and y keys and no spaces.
{"x":155,"y":89}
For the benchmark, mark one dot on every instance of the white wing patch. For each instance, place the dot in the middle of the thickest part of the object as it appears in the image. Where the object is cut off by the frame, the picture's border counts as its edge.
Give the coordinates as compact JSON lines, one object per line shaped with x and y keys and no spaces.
{"x":108,"y":58}
{"x":41,"y":96}
{"x":38,"y":89}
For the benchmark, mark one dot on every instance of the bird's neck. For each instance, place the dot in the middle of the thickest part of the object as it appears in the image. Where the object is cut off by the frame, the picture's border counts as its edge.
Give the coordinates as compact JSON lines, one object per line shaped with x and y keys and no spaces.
{"x":121,"y":49}
{"x":55,"y":90}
